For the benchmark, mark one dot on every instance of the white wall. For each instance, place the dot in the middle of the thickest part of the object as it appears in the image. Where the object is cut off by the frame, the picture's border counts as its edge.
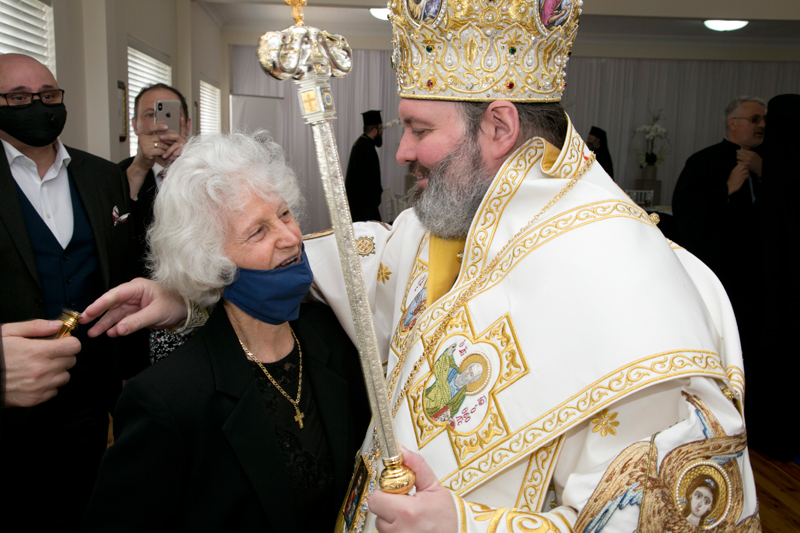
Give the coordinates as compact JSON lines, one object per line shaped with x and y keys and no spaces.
{"x":92,"y":39}
{"x":206,"y":54}
{"x":68,"y":19}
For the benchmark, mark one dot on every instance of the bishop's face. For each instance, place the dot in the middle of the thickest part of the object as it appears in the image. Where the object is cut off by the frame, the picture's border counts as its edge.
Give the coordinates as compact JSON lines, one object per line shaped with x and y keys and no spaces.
{"x":446,"y":159}
{"x":431,"y":130}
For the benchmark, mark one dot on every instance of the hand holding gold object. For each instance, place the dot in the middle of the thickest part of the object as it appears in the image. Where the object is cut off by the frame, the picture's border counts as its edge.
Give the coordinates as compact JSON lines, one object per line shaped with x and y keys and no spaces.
{"x":69,"y":321}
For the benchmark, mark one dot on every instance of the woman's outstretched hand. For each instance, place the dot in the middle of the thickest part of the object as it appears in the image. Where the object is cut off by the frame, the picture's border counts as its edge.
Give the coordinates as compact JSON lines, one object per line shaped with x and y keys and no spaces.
{"x":140,"y":303}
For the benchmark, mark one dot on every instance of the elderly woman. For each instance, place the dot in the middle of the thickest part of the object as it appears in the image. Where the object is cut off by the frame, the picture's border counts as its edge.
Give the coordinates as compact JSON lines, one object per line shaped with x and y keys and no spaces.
{"x":252,"y":425}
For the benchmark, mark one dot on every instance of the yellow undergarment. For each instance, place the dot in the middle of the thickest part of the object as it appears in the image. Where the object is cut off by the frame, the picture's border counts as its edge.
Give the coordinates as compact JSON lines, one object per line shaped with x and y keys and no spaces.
{"x":443,"y":266}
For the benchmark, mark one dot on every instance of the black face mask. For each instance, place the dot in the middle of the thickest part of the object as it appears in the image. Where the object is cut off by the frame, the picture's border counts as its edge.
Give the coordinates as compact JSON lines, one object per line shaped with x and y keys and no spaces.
{"x":35,"y":125}
{"x":378,"y":140}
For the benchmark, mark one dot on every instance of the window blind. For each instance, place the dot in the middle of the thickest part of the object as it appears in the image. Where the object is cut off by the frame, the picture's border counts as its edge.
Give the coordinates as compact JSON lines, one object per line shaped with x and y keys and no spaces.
{"x":26,"y":27}
{"x":143,"y":70}
{"x":210,"y":113}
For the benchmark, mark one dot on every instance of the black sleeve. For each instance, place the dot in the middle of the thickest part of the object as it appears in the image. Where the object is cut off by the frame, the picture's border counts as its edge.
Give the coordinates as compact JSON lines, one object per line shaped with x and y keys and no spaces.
{"x":126,"y":265}
{"x":140,"y":483}
{"x":363,"y":183}
{"x":699,"y":203}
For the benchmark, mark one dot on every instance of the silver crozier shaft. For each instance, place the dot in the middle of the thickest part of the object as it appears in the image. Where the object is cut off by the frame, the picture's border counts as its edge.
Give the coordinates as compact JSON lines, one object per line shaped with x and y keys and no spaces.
{"x":310,"y":56}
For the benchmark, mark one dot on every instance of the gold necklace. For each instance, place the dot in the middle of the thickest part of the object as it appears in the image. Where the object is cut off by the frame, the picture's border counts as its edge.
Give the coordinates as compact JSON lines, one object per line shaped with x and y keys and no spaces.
{"x":298,"y":417}
{"x":470,"y":291}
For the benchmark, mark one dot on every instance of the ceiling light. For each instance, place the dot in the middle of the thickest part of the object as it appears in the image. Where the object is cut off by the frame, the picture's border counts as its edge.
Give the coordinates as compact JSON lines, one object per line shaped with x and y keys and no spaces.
{"x":381,"y":13}
{"x":725,"y":25}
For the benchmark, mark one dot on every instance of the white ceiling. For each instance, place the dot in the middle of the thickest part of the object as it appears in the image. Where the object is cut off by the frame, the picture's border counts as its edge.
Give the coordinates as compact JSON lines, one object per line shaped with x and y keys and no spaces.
{"x":234,"y":15}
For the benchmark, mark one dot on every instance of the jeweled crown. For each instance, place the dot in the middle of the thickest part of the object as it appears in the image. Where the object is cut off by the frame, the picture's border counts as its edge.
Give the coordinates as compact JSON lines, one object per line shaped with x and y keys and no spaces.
{"x":483,"y":49}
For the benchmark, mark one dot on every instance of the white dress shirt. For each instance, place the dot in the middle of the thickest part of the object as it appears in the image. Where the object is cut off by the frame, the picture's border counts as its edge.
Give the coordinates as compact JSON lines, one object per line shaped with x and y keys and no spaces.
{"x":49,"y":195}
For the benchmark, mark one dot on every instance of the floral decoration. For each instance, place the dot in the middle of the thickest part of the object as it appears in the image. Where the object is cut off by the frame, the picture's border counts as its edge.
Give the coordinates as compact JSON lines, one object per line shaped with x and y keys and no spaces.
{"x":656,"y":140}
{"x":605,"y":423}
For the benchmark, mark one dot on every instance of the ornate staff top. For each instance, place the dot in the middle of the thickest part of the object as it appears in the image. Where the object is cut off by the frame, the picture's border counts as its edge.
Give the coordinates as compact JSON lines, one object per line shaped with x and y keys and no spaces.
{"x":301,"y":51}
{"x":297,"y":10}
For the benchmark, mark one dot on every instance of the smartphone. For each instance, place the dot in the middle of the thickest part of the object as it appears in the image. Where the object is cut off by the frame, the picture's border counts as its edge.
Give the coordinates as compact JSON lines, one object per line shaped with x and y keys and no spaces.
{"x":169,"y":112}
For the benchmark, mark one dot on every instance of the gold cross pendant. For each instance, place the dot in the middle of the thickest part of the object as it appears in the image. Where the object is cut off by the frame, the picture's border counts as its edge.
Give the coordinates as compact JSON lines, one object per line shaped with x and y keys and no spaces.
{"x":299,"y":417}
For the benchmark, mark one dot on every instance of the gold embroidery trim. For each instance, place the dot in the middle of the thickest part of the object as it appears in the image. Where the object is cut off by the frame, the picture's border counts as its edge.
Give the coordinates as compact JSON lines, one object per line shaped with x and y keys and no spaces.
{"x":611,"y":388}
{"x":523,"y":244}
{"x":462,"y":513}
{"x":402,"y":349}
{"x":736,"y":376}
{"x":515,"y":520}
{"x":536,"y":482}
{"x":468,"y":292}
{"x":513,"y":174}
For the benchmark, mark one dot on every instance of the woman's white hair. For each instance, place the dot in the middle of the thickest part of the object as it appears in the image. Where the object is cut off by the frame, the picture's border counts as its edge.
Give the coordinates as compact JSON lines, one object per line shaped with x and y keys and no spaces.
{"x":212,"y":181}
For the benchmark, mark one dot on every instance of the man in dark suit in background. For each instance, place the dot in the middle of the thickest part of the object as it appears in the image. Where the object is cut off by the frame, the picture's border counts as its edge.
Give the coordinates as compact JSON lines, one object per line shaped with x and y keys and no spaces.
{"x":63,"y":242}
{"x":363,"y":180}
{"x":158,"y":147}
{"x":715,"y":207}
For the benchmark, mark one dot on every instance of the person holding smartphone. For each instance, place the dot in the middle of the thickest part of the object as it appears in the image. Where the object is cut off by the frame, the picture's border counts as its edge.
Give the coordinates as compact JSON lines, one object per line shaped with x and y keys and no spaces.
{"x":159,"y":146}
{"x":161,"y":139}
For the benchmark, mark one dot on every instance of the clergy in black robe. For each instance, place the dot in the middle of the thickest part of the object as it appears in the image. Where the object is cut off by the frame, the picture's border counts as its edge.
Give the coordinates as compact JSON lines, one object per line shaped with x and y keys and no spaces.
{"x":363,"y":180}
{"x":598,"y":142}
{"x":718,"y":224}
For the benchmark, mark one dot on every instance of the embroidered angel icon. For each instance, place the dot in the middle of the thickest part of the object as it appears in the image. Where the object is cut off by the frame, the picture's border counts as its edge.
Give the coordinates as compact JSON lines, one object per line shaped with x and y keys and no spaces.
{"x":116,"y":218}
{"x":697,"y":486}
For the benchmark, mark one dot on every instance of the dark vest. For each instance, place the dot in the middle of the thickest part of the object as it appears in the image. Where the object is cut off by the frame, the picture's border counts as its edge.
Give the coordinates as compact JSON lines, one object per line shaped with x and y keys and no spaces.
{"x":71,"y":277}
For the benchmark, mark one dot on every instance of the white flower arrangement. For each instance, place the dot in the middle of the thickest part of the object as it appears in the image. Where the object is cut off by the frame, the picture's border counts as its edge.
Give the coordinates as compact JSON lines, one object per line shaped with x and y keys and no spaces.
{"x":656,"y":140}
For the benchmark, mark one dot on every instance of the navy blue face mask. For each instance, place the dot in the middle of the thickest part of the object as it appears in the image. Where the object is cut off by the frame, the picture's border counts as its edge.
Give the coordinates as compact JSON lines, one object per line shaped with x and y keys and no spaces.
{"x":272,"y":296}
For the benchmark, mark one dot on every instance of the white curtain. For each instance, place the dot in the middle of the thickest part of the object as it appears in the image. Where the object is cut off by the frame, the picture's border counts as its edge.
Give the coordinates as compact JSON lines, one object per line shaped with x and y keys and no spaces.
{"x":370,"y":85}
{"x":617,"y":95}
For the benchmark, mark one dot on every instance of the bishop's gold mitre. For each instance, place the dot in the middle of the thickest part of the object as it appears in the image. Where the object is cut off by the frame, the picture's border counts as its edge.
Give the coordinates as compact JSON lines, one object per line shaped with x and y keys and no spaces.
{"x":483,"y":49}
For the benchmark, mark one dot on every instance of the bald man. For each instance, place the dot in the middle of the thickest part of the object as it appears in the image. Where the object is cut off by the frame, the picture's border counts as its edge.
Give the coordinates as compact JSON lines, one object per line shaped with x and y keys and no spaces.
{"x":63,"y":242}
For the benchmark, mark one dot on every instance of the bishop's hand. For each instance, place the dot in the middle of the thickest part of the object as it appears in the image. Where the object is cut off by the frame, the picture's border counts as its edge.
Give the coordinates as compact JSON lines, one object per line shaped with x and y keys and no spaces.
{"x":431,"y":509}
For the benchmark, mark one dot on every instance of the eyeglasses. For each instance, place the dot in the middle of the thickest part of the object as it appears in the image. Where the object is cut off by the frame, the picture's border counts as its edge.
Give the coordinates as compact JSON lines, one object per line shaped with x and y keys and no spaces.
{"x":755,"y":119}
{"x":49,"y":97}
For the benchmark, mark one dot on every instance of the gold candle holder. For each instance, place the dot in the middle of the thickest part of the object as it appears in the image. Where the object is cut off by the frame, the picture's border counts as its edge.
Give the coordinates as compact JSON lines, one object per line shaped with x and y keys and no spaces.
{"x":69,"y":321}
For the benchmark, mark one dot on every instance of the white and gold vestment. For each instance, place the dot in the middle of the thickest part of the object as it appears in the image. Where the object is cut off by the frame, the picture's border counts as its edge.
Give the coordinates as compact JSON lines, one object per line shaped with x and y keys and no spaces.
{"x":583,"y":373}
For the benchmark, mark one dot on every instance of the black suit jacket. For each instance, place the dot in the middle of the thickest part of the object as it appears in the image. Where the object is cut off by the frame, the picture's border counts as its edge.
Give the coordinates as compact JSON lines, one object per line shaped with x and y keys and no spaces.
{"x":195,"y":449}
{"x":100,"y":187}
{"x":141,"y":214}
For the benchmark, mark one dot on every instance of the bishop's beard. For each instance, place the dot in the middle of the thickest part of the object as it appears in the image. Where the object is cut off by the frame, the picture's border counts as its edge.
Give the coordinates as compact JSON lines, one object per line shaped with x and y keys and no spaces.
{"x":454,"y":192}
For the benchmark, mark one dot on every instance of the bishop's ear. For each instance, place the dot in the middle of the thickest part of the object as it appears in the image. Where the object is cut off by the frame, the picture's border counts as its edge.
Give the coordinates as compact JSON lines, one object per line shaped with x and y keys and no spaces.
{"x":499,"y":129}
